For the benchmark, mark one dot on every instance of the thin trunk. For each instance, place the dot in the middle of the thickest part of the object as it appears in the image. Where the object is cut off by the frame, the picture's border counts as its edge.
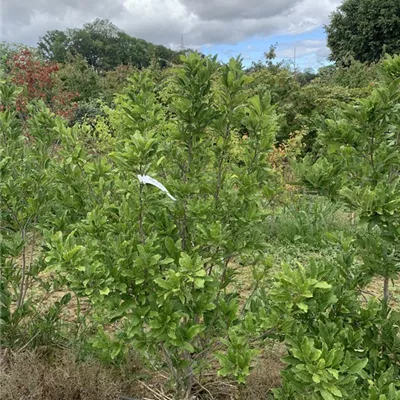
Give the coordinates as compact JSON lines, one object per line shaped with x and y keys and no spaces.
{"x":183,"y":230}
{"x":172,"y":369}
{"x":386,"y":293}
{"x":220,"y":163}
{"x":33,"y":245}
{"x":219,"y":179}
{"x":23,"y":271}
{"x":185,"y":179}
{"x":141,"y":230}
{"x":188,"y":379}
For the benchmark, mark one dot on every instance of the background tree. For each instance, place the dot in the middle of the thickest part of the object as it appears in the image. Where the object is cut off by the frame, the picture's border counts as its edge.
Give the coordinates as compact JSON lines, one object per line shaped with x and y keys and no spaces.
{"x":104,"y":46}
{"x":364,"y":29}
{"x":53,"y":46}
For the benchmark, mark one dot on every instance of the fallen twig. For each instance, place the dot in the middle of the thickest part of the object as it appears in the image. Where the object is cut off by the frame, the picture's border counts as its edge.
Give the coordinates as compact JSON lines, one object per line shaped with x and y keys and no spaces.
{"x":159,"y":395}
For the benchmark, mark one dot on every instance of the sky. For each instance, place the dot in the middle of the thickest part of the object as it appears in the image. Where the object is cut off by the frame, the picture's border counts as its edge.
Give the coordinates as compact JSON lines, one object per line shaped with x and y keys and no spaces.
{"x":224,"y":27}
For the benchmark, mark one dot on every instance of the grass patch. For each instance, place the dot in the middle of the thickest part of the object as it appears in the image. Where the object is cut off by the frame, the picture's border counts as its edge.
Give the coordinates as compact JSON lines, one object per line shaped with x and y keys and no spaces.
{"x":306,"y":220}
{"x":35,"y":376}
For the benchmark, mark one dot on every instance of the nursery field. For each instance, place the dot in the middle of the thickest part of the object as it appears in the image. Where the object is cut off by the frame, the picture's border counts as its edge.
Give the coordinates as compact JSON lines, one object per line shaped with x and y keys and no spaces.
{"x":192,"y":229}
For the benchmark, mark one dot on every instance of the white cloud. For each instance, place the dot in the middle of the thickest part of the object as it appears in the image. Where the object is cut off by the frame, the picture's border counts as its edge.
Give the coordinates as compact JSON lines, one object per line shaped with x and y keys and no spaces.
{"x":201,"y":22}
{"x":303,"y":48}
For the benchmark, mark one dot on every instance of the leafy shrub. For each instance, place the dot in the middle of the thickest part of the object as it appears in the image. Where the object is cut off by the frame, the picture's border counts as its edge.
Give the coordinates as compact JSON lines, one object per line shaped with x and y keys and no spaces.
{"x":160,"y":263}
{"x":361,"y":163}
{"x":342,"y":348}
{"x":77,"y":76}
{"x":301,"y":106}
{"x":26,"y":189}
{"x":353,"y":74}
{"x":38,"y":78}
{"x":87,"y":112}
{"x":338,"y":346}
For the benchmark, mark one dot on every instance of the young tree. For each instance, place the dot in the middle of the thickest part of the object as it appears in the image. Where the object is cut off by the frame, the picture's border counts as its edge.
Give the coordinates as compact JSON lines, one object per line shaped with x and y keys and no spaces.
{"x":161,"y":262}
{"x":341,"y":344}
{"x":362,"y":168}
{"x":26,"y":194}
{"x":76,"y":76}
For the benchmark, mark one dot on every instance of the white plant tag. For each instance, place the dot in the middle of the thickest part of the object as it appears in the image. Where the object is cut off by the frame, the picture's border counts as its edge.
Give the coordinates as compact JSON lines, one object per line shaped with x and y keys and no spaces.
{"x":145,"y":179}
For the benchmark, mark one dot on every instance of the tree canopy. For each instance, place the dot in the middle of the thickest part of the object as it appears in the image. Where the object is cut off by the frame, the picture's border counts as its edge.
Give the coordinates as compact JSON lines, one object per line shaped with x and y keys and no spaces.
{"x":104,"y":46}
{"x":364,"y":30}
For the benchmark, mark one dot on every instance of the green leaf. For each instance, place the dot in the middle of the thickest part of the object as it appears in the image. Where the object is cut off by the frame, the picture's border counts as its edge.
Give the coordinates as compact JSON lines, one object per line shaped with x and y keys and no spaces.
{"x":393,"y":393}
{"x":316,"y":354}
{"x":170,"y":246}
{"x":291,"y":360}
{"x":162,"y":283}
{"x":302,"y":306}
{"x":357,"y":366}
{"x":199,"y":283}
{"x":105,"y":291}
{"x":316,"y":378}
{"x":335,"y":391}
{"x":333,"y":372}
{"x":115,"y":351}
{"x":323,"y":285}
{"x":194,"y":330}
{"x":326,"y":395}
{"x":187,"y":346}
{"x":201,"y":273}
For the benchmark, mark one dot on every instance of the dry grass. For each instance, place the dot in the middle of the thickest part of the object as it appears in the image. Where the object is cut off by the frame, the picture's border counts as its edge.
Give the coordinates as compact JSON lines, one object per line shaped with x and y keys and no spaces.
{"x":265,"y":375}
{"x":28,"y":375}
{"x":33,"y":376}
{"x":375,"y":289}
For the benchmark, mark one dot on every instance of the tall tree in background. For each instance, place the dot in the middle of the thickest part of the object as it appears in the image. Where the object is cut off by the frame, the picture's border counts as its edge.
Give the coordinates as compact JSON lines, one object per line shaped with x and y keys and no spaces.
{"x":104,"y":46}
{"x":364,"y":30}
{"x":53,"y":46}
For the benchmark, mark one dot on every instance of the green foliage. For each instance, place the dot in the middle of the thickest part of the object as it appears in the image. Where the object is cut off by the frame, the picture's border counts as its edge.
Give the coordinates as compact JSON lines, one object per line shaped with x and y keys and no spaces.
{"x":353,"y":75}
{"x":162,"y":267}
{"x":83,"y":209}
{"x":306,"y":106}
{"x":53,"y":46}
{"x":9,"y":95}
{"x":103,"y":46}
{"x":306,"y":220}
{"x":88,"y":112}
{"x":306,"y":76}
{"x":280,"y":81}
{"x":390,"y":68}
{"x":77,"y":76}
{"x":364,"y":29}
{"x":303,"y":99}
{"x":114,"y":81}
{"x":237,"y":359}
{"x":26,"y":198}
{"x":361,"y":165}
{"x":336,"y":344}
